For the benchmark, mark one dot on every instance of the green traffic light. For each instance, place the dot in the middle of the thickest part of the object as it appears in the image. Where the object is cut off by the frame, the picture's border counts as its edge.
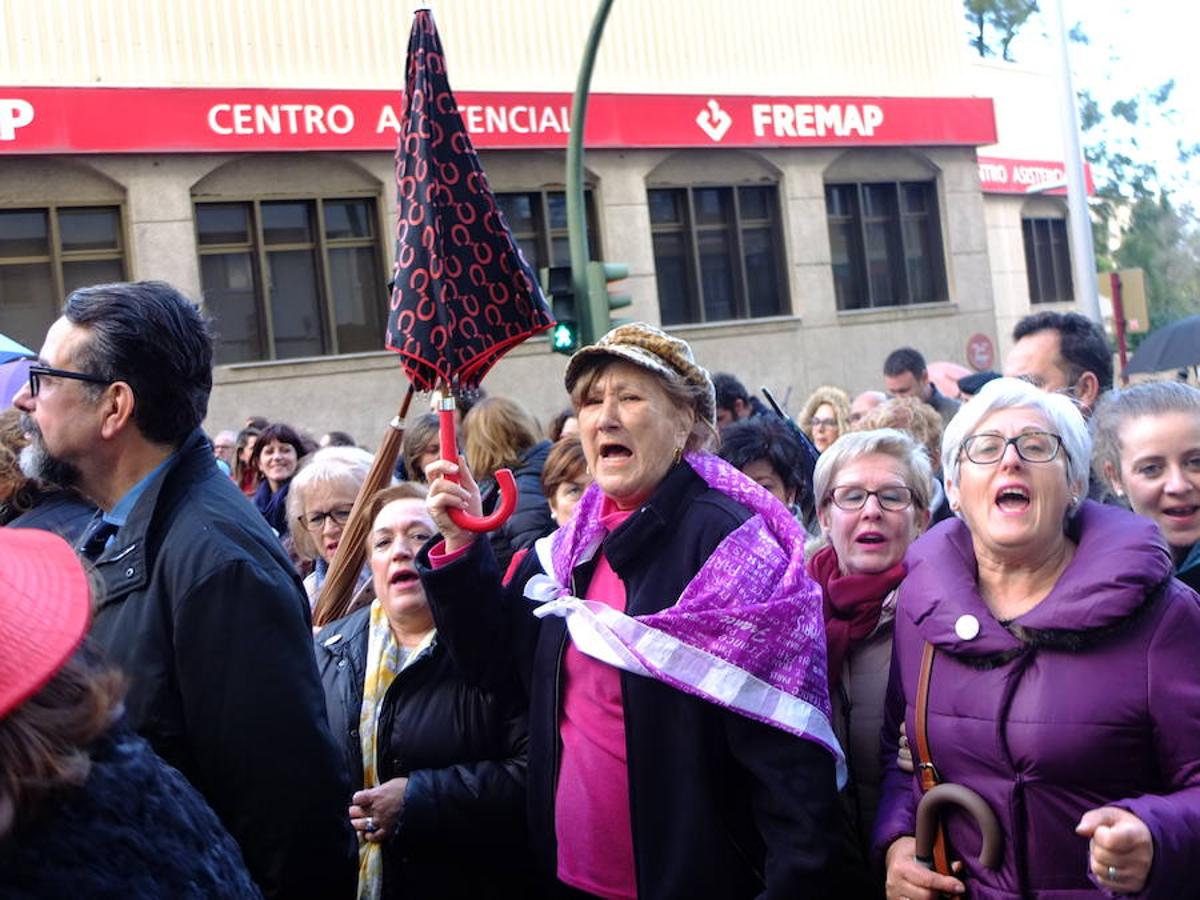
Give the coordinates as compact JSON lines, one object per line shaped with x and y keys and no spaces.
{"x":564,"y":338}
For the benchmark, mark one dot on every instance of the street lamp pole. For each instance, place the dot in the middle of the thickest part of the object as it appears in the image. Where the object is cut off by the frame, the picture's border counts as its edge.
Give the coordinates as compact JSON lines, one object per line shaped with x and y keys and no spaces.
{"x":1083,"y":254}
{"x":576,"y":210}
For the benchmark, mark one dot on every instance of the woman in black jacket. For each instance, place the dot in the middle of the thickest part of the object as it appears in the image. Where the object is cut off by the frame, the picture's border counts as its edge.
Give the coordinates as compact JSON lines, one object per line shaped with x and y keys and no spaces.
{"x":671,"y":644}
{"x":439,"y":764}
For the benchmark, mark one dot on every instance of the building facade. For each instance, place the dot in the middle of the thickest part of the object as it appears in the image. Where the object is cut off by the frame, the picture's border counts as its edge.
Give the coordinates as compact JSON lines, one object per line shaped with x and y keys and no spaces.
{"x":797,"y":187}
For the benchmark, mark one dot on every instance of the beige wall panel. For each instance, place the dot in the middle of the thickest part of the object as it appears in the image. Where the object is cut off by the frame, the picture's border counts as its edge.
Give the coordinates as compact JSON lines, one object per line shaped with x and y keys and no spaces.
{"x":768,"y":47}
{"x":808,"y":238}
{"x":35,"y":181}
{"x":813,"y":299}
{"x":165,"y":251}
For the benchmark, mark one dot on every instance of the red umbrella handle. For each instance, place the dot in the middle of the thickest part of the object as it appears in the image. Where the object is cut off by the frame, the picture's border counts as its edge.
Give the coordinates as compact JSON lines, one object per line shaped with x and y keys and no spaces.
{"x":504,"y":478}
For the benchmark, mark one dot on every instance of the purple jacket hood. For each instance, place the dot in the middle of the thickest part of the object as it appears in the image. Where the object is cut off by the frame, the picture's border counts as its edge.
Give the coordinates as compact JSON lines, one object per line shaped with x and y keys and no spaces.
{"x":1121,"y":558}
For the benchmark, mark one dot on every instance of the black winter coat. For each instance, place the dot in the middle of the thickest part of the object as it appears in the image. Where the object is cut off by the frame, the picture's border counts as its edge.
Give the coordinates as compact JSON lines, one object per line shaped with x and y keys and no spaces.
{"x":134,"y":830}
{"x":463,"y":750}
{"x":532,"y":517}
{"x":722,"y":806}
{"x":63,"y":512}
{"x":204,"y":613}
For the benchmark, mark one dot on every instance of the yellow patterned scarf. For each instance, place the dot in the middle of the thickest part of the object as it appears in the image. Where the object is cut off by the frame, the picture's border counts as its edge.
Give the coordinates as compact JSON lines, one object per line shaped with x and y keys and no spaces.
{"x":385,"y":660}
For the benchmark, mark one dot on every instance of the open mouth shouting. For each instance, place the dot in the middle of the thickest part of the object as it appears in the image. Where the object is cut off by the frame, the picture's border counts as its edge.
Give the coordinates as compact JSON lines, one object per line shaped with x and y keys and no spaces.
{"x":403,"y":578}
{"x":1013,"y":498}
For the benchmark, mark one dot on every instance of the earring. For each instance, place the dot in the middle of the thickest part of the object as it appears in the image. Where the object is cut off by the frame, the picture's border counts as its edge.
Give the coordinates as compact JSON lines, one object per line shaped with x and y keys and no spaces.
{"x":678,"y":455}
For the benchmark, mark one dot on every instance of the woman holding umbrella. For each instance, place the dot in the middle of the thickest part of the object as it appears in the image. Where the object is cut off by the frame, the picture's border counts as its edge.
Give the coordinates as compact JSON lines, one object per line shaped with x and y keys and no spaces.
{"x":680,"y":743}
{"x":1148,"y":449}
{"x":1061,"y":678}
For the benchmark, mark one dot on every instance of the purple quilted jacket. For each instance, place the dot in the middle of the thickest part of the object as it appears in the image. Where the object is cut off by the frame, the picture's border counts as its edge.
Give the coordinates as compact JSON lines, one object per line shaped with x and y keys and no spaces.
{"x":1092,"y":698}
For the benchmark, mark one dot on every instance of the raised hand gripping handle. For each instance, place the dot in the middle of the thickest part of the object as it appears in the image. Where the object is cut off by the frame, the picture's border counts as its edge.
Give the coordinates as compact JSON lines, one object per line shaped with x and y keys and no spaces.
{"x":504,"y":478}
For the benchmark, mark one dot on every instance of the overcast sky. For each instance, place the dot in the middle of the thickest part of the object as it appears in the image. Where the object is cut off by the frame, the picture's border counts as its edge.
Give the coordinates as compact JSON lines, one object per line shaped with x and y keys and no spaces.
{"x":1135,"y":47}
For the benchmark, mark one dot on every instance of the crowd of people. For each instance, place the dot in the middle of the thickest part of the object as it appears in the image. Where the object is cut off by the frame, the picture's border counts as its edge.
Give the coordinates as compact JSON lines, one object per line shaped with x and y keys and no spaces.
{"x":907,"y":645}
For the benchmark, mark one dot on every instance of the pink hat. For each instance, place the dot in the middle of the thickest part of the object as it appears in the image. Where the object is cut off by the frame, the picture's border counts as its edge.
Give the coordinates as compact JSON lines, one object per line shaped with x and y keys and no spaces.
{"x":45,"y":603}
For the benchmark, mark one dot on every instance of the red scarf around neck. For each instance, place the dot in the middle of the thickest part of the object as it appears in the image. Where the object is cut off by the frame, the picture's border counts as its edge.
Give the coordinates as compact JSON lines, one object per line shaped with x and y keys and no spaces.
{"x":852,"y":604}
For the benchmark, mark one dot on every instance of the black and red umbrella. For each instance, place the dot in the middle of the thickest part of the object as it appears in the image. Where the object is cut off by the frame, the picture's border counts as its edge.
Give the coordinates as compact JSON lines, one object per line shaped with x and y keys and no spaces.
{"x":462,"y":294}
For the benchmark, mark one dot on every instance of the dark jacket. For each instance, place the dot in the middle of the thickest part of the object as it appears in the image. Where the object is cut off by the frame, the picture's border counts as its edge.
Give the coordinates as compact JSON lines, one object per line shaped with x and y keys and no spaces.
{"x":1092,"y":698}
{"x":1188,"y":571}
{"x":946,"y":406}
{"x":463,"y":751}
{"x":204,"y":613}
{"x":63,"y":512}
{"x":532,"y":518}
{"x":134,"y":830}
{"x":721,"y":806}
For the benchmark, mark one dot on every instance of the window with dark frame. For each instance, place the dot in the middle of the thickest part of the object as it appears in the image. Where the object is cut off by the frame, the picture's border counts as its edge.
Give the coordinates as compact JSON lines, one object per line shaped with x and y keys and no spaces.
{"x":538,"y":220}
{"x":47,"y":252}
{"x":292,"y":278}
{"x":1048,"y":260}
{"x":885,"y":242}
{"x":717,"y":253}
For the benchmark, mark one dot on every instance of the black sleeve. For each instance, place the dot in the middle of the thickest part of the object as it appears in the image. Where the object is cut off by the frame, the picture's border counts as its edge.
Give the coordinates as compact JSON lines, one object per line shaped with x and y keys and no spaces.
{"x":258,"y":731}
{"x":489,"y":630}
{"x":478,"y":802}
{"x":793,"y":797}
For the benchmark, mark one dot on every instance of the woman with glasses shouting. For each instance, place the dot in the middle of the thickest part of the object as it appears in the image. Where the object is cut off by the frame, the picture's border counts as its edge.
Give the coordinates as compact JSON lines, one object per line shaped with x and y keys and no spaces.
{"x":873,"y":491}
{"x":1050,"y":658}
{"x":319,"y":504}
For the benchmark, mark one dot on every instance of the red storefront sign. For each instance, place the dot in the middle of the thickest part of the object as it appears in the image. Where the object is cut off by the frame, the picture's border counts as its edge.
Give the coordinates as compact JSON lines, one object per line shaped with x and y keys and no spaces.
{"x":178,"y":120}
{"x":1026,"y":176}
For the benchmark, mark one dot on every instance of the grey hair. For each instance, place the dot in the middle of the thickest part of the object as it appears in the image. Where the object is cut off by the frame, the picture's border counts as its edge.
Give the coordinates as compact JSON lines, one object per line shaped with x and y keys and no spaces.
{"x":1118,"y":406}
{"x":341,"y":466}
{"x":918,"y":474}
{"x":1014,"y":393}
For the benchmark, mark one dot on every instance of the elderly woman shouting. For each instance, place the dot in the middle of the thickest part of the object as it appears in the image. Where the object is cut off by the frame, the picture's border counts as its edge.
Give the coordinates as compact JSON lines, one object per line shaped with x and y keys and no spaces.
{"x":1061,"y":678}
{"x":680,"y":743}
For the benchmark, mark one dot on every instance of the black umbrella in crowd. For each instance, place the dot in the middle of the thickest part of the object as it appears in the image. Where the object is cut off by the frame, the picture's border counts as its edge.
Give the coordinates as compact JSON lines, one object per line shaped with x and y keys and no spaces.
{"x":462,"y":294}
{"x":1174,"y":346}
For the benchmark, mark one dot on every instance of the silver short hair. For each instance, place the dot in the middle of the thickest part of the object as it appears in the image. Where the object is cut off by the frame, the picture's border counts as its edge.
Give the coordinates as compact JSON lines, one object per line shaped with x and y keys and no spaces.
{"x":1014,"y":393}
{"x":918,"y":474}
{"x":330,"y":466}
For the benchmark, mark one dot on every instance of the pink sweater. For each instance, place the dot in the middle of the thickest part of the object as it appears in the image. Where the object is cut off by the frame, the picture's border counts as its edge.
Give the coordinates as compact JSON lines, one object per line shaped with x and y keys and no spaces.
{"x":591,"y":808}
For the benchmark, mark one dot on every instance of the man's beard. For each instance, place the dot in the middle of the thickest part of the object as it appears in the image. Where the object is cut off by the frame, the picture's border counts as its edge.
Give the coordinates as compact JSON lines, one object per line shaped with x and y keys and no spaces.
{"x":37,"y":463}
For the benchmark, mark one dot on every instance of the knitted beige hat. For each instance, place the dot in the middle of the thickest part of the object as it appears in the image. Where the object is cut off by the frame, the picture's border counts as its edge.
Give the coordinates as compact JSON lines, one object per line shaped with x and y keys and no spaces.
{"x":653,"y":349}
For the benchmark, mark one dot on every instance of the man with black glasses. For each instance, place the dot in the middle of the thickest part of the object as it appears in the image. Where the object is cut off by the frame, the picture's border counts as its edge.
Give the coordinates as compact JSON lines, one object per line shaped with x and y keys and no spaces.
{"x":200,"y":606}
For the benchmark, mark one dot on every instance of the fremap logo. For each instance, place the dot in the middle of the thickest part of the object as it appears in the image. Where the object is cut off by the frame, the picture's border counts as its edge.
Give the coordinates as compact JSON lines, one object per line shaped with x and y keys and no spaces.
{"x":713,"y":120}
{"x":14,"y":114}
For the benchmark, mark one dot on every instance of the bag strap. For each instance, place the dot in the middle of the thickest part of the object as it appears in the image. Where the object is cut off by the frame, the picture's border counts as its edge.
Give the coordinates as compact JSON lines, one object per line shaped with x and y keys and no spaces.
{"x":928,"y":773}
{"x":925,"y":768}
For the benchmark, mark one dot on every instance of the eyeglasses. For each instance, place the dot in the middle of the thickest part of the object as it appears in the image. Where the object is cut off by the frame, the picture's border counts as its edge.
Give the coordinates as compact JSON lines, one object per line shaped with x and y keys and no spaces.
{"x":852,"y":498}
{"x":1032,"y":446}
{"x":37,"y":373}
{"x":315,"y":522}
{"x":817,"y":423}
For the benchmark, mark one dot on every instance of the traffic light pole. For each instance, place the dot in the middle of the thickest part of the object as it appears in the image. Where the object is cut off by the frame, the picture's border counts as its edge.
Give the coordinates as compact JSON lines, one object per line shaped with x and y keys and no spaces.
{"x":592,"y":316}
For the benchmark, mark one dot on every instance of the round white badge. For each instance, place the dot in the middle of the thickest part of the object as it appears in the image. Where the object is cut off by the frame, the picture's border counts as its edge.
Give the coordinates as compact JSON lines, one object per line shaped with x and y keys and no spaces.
{"x":967,"y":627}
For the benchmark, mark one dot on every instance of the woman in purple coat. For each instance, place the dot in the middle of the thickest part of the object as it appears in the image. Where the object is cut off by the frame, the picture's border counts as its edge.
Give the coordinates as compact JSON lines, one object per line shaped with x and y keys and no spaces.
{"x":1066,"y":684}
